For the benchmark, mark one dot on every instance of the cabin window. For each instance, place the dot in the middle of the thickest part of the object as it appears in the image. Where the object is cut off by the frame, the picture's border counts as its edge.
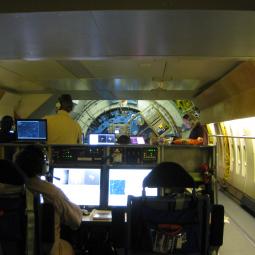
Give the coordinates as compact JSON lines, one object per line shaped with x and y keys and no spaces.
{"x":244,"y":168}
{"x":238,"y":159}
{"x":232,"y":153}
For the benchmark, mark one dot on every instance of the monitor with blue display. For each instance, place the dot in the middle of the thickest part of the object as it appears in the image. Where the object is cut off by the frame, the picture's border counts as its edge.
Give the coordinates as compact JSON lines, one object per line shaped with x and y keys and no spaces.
{"x":124,"y":182}
{"x":31,"y":130}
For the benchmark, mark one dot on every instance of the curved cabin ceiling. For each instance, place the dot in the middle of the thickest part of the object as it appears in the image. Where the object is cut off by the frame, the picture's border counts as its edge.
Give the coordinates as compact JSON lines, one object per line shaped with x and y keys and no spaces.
{"x":146,"y":50}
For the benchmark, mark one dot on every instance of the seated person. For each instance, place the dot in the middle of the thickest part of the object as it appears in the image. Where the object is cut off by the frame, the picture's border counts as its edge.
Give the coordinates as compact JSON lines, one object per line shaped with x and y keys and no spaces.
{"x":31,"y":160}
{"x":123,"y":139}
{"x":6,"y":125}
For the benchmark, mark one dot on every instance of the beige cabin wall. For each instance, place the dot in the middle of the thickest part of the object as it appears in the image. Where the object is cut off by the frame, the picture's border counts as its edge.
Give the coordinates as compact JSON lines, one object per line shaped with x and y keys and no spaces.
{"x":238,"y":107}
{"x":232,"y":97}
{"x":7,"y":103}
{"x":29,"y":103}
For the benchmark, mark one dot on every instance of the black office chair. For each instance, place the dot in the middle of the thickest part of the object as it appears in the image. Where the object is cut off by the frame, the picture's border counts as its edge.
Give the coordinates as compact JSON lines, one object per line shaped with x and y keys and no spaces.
{"x":27,"y":226}
{"x":175,"y":224}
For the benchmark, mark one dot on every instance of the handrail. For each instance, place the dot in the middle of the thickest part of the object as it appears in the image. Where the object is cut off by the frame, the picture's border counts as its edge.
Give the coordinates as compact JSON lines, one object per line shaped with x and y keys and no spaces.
{"x":233,"y":136}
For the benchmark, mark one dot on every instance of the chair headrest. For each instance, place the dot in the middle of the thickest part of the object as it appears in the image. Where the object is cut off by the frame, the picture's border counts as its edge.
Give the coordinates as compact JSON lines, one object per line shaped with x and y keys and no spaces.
{"x":10,"y":173}
{"x":169,"y":174}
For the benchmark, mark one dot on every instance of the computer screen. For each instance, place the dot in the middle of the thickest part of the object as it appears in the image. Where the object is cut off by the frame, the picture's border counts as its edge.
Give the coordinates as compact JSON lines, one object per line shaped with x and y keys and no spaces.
{"x":80,"y":185}
{"x":137,"y":140}
{"x":101,"y":139}
{"x":124,"y":182}
{"x":31,"y":130}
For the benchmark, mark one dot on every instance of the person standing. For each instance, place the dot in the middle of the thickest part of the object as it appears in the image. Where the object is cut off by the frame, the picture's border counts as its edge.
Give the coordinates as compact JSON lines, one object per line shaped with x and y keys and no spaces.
{"x":61,"y":128}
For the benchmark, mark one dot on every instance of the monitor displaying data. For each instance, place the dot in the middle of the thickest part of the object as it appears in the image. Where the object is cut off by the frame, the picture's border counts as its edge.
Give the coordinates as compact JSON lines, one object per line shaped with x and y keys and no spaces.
{"x":137,"y":140}
{"x":101,"y":139}
{"x":124,"y":182}
{"x":31,"y":130}
{"x":80,"y":185}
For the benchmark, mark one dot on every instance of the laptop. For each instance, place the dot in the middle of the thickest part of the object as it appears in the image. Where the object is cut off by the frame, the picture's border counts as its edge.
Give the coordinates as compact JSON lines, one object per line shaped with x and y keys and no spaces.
{"x":137,"y":140}
{"x":31,"y":130}
{"x":101,"y":139}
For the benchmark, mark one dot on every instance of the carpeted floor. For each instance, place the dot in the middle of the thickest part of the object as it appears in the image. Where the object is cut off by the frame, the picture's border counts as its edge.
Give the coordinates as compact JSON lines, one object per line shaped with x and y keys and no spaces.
{"x":239,"y":231}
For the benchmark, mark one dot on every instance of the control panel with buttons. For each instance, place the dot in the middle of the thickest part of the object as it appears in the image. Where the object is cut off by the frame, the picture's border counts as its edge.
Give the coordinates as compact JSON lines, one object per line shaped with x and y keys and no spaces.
{"x":77,"y":155}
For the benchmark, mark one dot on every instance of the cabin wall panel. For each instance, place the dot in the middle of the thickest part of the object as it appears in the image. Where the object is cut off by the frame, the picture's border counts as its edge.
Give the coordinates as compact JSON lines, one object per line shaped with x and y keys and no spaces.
{"x":238,"y":178}
{"x":232,"y":97}
{"x":7,"y":103}
{"x":250,"y":182}
{"x":221,"y":152}
{"x":232,"y":161}
{"x":238,"y":107}
{"x":29,"y":103}
{"x":250,"y":169}
{"x":6,"y":111}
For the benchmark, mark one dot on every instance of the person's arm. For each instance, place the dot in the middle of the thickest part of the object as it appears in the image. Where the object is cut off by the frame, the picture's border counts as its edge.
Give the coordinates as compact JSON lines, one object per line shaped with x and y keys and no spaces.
{"x":79,"y":140}
{"x":204,"y":134}
{"x":70,"y":213}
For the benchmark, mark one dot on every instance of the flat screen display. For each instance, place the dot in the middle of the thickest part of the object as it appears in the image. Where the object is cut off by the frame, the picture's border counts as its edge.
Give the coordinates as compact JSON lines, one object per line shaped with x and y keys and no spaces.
{"x":31,"y":130}
{"x":137,"y":140}
{"x":80,"y":185}
{"x":101,"y":139}
{"x":124,"y":182}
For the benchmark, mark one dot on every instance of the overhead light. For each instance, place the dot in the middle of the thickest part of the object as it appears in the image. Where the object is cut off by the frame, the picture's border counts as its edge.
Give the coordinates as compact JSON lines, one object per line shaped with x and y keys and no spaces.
{"x":145,"y":65}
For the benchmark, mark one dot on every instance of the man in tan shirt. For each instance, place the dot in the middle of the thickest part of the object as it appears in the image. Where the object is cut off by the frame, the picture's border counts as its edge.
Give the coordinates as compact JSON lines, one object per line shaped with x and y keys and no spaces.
{"x":61,"y":128}
{"x":31,"y":161}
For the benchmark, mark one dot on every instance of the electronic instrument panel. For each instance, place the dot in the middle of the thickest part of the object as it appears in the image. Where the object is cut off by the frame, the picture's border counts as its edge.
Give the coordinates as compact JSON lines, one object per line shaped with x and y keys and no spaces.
{"x":95,"y":155}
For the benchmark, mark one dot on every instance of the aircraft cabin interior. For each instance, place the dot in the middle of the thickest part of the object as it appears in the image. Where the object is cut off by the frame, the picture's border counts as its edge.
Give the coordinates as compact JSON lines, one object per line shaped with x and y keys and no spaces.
{"x":135,"y":68}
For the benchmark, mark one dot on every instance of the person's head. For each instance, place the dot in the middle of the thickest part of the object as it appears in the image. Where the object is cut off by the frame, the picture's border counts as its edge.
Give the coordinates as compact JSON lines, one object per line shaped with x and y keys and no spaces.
{"x":189,"y":121}
{"x":7,"y":122}
{"x":31,"y":160}
{"x":124,"y":139}
{"x":65,"y":103}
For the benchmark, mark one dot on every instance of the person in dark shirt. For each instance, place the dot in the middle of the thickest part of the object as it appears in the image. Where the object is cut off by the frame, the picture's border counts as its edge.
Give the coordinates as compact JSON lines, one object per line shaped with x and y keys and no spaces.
{"x":124,"y":139}
{"x":197,"y":130}
{"x":6,"y":125}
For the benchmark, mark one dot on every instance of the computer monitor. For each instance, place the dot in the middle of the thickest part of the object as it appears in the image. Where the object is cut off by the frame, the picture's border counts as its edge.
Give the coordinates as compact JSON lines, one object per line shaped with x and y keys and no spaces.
{"x":137,"y":140}
{"x":81,"y":185}
{"x":101,"y":139}
{"x":124,"y":182}
{"x":31,"y":130}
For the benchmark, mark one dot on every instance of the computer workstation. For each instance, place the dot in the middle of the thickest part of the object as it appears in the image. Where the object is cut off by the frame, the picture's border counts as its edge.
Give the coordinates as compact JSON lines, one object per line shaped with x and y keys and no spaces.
{"x":85,"y":187}
{"x":78,"y":169}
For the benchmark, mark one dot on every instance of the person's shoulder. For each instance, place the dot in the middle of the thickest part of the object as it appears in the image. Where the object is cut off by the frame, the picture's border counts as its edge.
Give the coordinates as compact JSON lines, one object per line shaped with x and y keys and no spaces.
{"x":47,"y":117}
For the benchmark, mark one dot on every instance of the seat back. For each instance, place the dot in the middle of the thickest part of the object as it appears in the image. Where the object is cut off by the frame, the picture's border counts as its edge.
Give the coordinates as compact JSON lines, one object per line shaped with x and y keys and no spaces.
{"x":169,"y":174}
{"x":144,"y":219}
{"x":22,"y":215}
{"x":177,"y":224}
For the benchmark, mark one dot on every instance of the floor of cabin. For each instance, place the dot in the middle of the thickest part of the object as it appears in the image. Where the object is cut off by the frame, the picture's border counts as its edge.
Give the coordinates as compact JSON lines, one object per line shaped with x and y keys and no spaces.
{"x":239,"y":228}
